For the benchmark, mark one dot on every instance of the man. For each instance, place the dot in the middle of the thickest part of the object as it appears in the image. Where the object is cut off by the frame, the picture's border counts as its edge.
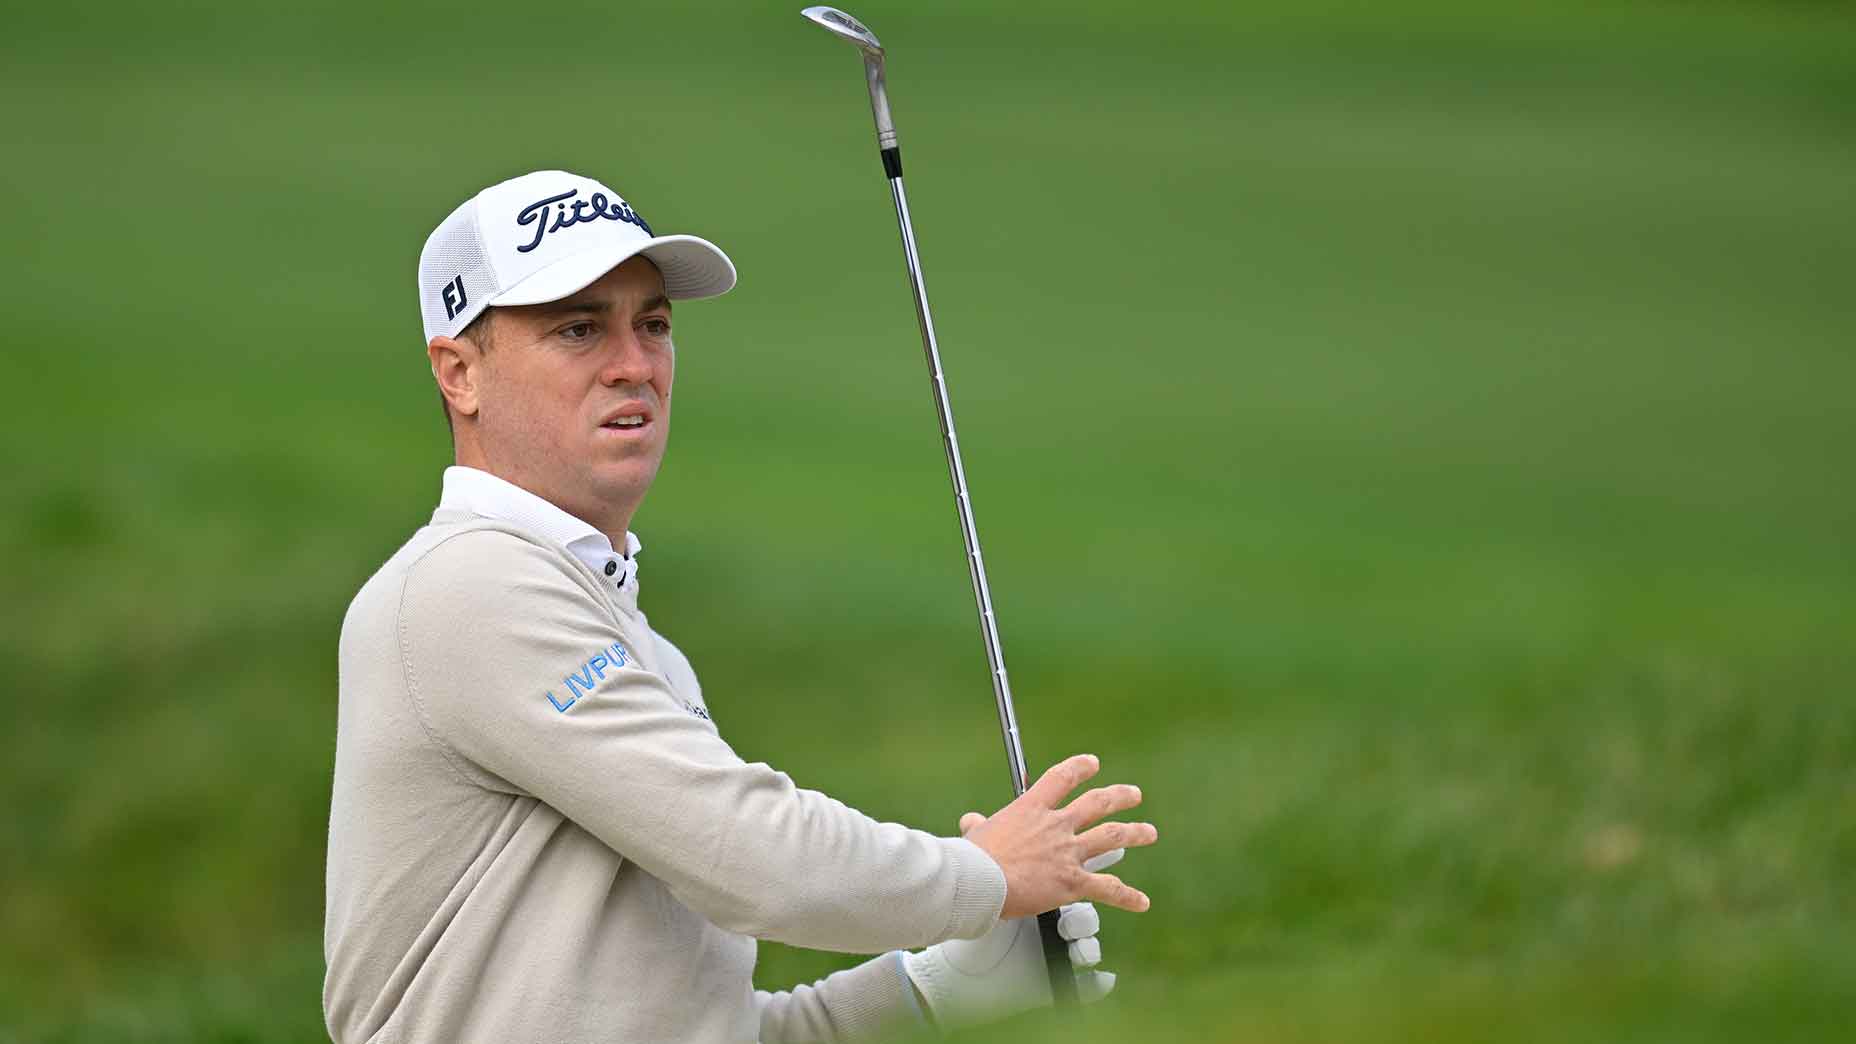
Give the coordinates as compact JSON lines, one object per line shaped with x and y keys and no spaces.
{"x":537,"y":832}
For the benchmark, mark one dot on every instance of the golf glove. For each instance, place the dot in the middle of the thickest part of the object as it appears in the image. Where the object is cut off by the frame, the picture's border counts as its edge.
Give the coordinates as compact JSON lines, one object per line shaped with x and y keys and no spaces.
{"x":971,"y":981}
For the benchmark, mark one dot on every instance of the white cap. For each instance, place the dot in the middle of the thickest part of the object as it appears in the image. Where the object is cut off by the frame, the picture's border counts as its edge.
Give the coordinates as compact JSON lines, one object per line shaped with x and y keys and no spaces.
{"x":543,"y":236}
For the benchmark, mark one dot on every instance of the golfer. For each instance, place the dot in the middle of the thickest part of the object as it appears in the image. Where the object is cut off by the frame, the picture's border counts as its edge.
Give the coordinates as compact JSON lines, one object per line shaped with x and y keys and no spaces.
{"x":537,"y":831}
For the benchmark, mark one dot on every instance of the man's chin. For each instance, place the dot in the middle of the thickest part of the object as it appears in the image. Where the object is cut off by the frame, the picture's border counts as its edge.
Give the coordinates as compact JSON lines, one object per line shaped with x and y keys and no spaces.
{"x":622,"y":481}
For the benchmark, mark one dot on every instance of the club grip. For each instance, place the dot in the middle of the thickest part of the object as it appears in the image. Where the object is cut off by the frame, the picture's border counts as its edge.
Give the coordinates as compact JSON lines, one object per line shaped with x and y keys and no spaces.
{"x":1057,"y":961}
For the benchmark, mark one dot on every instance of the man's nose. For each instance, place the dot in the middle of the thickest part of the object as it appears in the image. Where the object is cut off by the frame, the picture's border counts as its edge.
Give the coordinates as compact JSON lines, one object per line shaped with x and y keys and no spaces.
{"x":628,"y":361}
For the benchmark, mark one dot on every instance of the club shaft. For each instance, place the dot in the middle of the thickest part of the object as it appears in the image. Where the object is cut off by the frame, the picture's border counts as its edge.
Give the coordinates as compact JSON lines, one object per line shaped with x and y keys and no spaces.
{"x":1056,"y":950}
{"x":957,"y":472}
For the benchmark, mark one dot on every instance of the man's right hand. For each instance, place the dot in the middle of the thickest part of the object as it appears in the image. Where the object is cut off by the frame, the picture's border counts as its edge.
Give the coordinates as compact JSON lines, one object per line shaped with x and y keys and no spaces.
{"x":1041,"y":851}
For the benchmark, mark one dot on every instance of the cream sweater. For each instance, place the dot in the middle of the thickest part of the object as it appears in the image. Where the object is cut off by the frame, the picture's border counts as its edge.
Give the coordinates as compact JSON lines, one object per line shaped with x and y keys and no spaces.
{"x":538,"y":834}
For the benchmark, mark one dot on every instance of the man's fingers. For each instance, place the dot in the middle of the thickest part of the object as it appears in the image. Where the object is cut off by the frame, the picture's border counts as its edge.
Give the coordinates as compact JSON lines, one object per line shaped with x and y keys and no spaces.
{"x":1058,"y":780}
{"x":1105,"y":860}
{"x":969,"y":821}
{"x":1110,"y":836}
{"x":1101,"y":803}
{"x":1086,"y":953}
{"x":1109,"y":890}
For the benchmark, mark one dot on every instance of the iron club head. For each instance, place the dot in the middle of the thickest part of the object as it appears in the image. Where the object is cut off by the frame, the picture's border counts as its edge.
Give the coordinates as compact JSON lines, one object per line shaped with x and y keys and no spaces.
{"x":844,"y":27}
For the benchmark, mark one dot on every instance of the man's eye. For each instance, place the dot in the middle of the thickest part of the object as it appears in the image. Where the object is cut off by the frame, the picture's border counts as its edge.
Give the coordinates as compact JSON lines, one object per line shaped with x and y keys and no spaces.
{"x":657,"y":327}
{"x":579,"y":331}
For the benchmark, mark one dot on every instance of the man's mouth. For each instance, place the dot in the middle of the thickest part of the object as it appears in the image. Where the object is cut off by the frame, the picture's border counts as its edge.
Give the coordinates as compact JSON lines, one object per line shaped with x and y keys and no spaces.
{"x":629,"y":418}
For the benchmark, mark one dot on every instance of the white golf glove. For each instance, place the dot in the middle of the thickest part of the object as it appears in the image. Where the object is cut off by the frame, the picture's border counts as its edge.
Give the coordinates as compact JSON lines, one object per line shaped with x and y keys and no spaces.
{"x":970,"y":981}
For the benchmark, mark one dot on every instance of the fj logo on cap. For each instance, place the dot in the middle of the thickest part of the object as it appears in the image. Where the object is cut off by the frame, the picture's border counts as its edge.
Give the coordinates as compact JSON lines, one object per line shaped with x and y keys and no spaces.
{"x":454,"y":298}
{"x":591,"y":208}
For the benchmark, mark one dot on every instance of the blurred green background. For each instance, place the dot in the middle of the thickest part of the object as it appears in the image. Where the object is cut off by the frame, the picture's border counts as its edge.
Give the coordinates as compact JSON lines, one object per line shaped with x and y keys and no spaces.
{"x":1413,"y":441}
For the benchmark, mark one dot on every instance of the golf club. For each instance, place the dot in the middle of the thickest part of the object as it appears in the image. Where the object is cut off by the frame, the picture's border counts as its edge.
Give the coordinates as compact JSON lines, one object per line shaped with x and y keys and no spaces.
{"x":1056,"y":951}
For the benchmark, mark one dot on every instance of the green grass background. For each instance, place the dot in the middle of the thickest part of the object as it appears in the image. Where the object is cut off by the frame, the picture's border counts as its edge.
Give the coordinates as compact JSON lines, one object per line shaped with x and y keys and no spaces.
{"x":1412,"y":441}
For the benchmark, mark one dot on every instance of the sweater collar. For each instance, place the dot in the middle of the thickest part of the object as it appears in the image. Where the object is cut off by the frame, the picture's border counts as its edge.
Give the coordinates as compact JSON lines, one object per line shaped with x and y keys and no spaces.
{"x":484,"y":494}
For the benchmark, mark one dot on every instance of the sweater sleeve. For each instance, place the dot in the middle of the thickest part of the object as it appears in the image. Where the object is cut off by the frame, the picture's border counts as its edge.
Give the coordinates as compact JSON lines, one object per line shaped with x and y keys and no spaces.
{"x":872,"y":1001}
{"x":529,"y":686}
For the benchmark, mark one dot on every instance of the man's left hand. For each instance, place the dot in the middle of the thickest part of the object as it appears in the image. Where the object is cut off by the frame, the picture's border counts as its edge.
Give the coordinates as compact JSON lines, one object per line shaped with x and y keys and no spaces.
{"x":971,"y":981}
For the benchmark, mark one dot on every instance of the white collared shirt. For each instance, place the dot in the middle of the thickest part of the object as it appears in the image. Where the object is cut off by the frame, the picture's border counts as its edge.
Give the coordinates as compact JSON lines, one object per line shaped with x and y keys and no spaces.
{"x":481,"y":493}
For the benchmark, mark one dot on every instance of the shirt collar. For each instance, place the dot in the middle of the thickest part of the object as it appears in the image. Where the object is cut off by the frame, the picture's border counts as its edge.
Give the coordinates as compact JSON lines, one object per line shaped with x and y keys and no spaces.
{"x":481,"y":493}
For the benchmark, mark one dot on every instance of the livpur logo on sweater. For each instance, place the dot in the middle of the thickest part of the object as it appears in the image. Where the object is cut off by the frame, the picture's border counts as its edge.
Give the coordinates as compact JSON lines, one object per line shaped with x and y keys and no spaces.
{"x":588,"y":675}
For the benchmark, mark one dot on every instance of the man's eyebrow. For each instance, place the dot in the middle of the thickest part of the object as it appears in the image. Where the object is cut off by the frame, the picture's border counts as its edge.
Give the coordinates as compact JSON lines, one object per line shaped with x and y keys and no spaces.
{"x":653,"y":304}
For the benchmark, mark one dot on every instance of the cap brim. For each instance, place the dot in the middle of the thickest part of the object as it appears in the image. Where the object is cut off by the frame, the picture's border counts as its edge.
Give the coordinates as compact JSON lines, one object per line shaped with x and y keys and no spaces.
{"x":692,"y":267}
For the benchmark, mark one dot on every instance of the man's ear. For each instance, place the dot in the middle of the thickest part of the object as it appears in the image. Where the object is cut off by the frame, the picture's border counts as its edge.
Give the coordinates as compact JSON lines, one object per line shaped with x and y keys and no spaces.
{"x":455,"y":366}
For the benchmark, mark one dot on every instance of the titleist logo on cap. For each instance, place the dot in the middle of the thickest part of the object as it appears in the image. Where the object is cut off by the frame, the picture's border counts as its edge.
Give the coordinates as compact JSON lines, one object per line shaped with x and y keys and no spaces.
{"x":592,"y":208}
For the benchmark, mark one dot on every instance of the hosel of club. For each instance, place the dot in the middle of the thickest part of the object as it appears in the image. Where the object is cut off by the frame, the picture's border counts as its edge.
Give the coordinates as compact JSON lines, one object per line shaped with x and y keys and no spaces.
{"x":879,"y":102}
{"x":1056,"y":951}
